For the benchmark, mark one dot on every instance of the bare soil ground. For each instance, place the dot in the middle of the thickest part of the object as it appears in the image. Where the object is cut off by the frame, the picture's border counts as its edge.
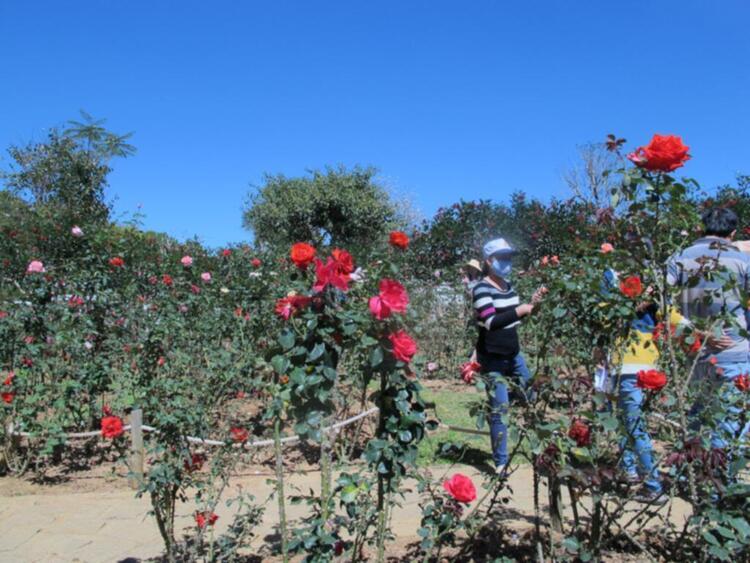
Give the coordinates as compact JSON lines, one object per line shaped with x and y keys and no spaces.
{"x":82,"y":508}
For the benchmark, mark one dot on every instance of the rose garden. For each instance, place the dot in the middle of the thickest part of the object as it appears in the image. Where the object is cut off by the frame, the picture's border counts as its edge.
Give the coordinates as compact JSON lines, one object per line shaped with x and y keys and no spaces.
{"x":347,"y":307}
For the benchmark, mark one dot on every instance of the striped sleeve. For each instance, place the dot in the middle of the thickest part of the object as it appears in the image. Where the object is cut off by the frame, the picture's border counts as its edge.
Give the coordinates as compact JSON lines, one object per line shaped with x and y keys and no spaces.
{"x":487,"y":314}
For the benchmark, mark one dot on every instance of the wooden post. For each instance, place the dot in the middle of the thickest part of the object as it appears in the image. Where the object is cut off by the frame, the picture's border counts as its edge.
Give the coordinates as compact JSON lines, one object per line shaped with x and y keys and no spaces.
{"x":136,"y":451}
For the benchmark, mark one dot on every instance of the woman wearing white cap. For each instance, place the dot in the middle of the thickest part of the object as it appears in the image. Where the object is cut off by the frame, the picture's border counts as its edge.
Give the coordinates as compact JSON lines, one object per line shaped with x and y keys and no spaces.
{"x":499,"y":312}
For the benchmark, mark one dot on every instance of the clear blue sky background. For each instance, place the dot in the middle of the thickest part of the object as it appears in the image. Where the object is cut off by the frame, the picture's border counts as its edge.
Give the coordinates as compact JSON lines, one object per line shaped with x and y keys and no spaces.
{"x":448,"y":99}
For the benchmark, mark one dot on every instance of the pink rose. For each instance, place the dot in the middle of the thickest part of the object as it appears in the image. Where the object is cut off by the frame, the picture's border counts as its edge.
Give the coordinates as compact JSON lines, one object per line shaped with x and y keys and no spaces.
{"x":76,"y":231}
{"x":206,"y":276}
{"x":35,"y":267}
{"x":187,"y":261}
{"x":432,"y":366}
{"x":606,"y":248}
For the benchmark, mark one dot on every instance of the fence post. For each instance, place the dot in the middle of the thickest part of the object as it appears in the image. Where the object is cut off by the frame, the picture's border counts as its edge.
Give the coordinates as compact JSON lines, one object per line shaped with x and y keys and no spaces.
{"x":136,"y":449}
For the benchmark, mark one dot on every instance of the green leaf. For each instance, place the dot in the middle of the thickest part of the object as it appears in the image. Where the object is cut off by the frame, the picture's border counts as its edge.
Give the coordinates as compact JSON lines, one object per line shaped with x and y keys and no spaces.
{"x":376,"y":357}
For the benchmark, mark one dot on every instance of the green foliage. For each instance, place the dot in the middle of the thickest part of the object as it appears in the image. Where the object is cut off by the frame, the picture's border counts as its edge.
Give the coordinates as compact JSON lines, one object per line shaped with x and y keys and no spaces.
{"x":335,"y":207}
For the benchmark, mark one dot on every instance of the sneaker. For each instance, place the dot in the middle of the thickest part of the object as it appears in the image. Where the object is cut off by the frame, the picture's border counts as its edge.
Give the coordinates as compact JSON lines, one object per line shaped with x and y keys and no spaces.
{"x":501,"y":470}
{"x":648,"y":496}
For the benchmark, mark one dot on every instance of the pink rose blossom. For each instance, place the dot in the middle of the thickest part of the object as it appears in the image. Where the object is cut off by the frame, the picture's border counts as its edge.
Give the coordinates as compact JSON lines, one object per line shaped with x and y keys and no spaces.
{"x":606,"y":248}
{"x":187,"y":261}
{"x":432,"y":366}
{"x":35,"y":267}
{"x":206,"y":276}
{"x":76,"y":231}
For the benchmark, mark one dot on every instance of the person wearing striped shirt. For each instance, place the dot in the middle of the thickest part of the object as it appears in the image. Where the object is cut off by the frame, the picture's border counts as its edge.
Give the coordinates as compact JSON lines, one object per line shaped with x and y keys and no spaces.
{"x":499,"y":312}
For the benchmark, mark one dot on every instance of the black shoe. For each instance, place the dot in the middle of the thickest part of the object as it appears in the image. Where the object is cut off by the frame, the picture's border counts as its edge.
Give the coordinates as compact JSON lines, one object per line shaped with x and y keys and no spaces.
{"x":647,"y":496}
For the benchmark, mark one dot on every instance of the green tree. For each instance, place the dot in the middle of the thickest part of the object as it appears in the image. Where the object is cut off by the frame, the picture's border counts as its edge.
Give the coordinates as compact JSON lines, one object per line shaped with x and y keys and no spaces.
{"x":333,"y":207}
{"x":64,"y":177}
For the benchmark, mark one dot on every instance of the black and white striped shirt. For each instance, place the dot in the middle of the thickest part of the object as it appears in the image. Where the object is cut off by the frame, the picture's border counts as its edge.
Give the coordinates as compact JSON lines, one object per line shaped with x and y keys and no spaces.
{"x":497,"y":320}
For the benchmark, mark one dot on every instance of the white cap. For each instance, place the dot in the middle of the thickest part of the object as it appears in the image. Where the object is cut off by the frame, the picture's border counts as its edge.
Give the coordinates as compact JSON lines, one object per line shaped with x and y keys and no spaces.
{"x":497,"y":246}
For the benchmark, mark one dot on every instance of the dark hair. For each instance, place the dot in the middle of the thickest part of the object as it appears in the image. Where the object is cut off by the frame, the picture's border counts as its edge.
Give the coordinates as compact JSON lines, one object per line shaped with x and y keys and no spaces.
{"x":719,"y":221}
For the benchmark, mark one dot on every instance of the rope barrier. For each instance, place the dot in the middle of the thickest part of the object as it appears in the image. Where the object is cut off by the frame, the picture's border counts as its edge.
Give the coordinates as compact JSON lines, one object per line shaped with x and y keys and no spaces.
{"x":206,"y":441}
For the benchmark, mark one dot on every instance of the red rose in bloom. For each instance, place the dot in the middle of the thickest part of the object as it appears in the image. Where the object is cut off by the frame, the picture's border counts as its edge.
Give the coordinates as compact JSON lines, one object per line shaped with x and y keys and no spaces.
{"x":167,"y":279}
{"x":461,"y":488}
{"x":328,"y":274}
{"x":399,"y":240}
{"x":652,"y":379}
{"x":112,"y":426}
{"x":392,"y":299}
{"x":27,"y":362}
{"x":302,"y":254}
{"x":239,"y":435}
{"x":665,"y":153}
{"x":117,"y":262}
{"x":580,"y":432}
{"x":9,"y":378}
{"x":631,"y":286}
{"x":394,"y":295}
{"x":256,"y":262}
{"x":195,"y":463}
{"x":404,"y":346}
{"x":344,"y":261}
{"x":7,"y":397}
{"x":203,"y":518}
{"x":742,"y":382}
{"x":468,"y":370}
{"x":226,"y":253}
{"x":288,"y":306}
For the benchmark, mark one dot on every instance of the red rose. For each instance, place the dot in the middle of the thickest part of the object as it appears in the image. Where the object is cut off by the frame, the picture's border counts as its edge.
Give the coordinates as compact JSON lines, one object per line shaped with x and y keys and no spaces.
{"x":665,"y":153}
{"x":328,"y":274}
{"x":7,"y":397}
{"x":652,"y":379}
{"x":112,"y":426}
{"x":256,"y":262}
{"x":468,"y":370}
{"x":288,"y":306}
{"x":203,"y":518}
{"x":302,"y":254}
{"x":117,"y":262}
{"x":344,"y":261}
{"x":580,"y":432}
{"x":631,"y":286}
{"x":742,"y":382}
{"x":399,"y":240}
{"x":167,"y":279}
{"x":394,"y":295}
{"x":75,"y":301}
{"x":404,"y":346}
{"x":461,"y":488}
{"x":239,"y":435}
{"x":379,"y":309}
{"x":9,"y":378}
{"x":195,"y":462}
{"x":226,"y":253}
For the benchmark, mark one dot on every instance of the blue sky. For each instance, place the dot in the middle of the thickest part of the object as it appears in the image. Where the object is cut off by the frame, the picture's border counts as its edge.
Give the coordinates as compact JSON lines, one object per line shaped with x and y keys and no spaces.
{"x":448,"y":99}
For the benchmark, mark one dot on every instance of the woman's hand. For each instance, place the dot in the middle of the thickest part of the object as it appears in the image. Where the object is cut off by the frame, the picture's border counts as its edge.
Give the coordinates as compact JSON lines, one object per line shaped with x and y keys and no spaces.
{"x":539,"y":295}
{"x":524,"y":310}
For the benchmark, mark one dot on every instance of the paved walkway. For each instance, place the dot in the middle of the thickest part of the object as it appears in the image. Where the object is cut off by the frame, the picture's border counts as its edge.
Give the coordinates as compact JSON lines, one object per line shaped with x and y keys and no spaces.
{"x":112,"y":525}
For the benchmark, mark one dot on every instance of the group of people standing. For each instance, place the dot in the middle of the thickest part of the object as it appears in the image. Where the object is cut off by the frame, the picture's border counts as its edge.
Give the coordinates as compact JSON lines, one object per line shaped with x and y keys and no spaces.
{"x":701,"y":296}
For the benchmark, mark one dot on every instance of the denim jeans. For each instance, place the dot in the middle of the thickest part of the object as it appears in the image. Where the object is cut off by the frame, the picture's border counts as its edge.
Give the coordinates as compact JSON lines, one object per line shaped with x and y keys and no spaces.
{"x":716,"y":385}
{"x":512,"y":369}
{"x":637,"y":456}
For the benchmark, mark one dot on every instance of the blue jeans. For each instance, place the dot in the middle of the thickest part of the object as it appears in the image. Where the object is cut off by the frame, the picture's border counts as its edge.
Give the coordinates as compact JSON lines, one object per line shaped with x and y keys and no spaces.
{"x":637,"y":457}
{"x":498,"y":395}
{"x":717,"y":401}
